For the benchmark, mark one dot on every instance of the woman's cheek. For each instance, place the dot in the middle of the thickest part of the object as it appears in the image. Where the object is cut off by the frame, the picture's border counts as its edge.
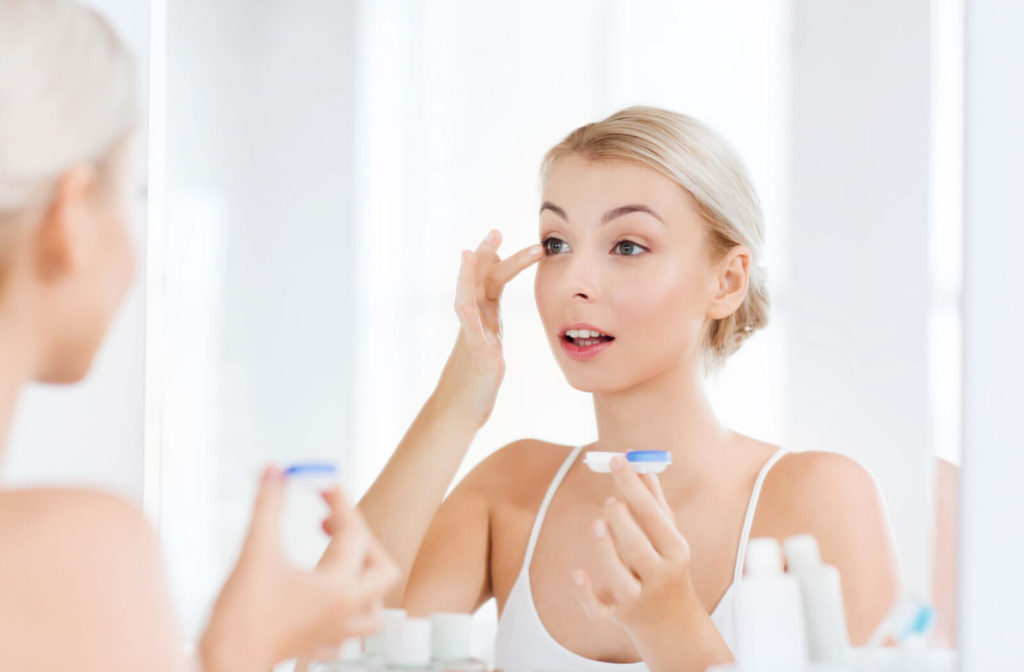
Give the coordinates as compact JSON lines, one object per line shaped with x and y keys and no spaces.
{"x":640,"y":295}
{"x":662,"y":302}
{"x":542,"y":293}
{"x":121,"y":264}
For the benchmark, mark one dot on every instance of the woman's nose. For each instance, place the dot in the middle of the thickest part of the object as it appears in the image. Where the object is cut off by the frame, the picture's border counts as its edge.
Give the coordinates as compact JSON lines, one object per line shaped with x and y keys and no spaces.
{"x":581,"y":281}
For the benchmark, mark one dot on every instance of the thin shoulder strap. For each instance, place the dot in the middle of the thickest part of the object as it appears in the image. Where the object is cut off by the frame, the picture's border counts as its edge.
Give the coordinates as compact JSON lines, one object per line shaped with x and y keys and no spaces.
{"x":538,"y":521}
{"x":748,"y":520}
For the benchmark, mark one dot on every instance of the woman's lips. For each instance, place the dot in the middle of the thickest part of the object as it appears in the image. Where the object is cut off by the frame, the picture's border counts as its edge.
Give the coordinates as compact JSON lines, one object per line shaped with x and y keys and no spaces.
{"x":582,"y":353}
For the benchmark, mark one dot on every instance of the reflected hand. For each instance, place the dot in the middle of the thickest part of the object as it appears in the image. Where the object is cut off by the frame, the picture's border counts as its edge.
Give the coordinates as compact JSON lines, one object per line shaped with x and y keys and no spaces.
{"x":270,"y":610}
{"x":475,"y":369}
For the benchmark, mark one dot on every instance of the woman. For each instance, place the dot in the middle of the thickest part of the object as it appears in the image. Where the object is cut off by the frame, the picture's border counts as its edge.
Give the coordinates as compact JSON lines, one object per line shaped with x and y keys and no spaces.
{"x":81,"y":582}
{"x":648,"y":278}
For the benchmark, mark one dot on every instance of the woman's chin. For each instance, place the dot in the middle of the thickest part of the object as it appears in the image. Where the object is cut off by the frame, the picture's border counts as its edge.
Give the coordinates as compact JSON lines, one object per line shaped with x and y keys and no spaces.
{"x":595,"y":382}
{"x":63,"y":377}
{"x":68,"y":371}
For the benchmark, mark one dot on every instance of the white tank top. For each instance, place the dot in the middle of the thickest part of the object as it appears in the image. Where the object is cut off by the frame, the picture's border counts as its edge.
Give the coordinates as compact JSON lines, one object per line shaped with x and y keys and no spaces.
{"x":523,"y":644}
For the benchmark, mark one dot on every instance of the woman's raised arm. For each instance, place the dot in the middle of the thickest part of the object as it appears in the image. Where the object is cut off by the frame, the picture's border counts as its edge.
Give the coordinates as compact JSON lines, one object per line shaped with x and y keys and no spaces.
{"x":401,"y":503}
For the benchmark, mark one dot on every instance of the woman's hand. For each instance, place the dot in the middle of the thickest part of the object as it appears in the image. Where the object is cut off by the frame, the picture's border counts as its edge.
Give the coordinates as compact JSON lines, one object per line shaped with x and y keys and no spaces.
{"x":475,"y":369}
{"x":642,"y":570}
{"x":641,"y":578}
{"x":269,"y":610}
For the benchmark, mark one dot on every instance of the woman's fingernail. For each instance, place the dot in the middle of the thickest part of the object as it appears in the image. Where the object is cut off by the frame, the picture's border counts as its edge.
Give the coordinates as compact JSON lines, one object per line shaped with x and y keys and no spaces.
{"x":492,"y":236}
{"x":617,"y":462}
{"x":600,"y":529}
{"x":577,"y":577}
{"x":536,"y":250}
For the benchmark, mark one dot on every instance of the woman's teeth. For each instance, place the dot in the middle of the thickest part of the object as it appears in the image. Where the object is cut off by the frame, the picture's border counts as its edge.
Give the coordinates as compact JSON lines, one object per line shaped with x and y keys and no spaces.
{"x":582,"y":333}
{"x":585,"y":337}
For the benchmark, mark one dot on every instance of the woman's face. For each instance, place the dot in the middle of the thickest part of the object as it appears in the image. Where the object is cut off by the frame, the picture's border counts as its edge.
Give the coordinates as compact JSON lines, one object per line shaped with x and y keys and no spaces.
{"x":625,"y":256}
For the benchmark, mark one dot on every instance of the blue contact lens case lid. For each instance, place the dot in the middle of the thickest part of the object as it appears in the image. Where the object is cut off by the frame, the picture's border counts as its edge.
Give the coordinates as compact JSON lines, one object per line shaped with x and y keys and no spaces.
{"x":311,"y":469}
{"x":649,"y":456}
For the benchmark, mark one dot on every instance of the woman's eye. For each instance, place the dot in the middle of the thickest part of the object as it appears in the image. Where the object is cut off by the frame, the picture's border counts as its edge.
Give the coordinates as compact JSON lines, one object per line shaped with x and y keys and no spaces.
{"x":554,"y":245}
{"x":628,"y":248}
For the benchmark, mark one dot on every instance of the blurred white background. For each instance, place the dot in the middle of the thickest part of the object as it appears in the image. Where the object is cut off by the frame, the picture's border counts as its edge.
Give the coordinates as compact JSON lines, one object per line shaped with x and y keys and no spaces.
{"x":319,"y":165}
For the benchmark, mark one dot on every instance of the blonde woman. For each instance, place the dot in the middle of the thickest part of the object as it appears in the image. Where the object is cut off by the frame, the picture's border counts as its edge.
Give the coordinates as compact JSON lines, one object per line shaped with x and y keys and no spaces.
{"x":81,"y":582}
{"x":648,"y":278}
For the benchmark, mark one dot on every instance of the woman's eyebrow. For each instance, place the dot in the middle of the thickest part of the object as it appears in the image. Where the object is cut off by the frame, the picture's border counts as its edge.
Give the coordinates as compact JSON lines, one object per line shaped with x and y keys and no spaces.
{"x":626,"y":209}
{"x":608,"y":216}
{"x":547,"y":205}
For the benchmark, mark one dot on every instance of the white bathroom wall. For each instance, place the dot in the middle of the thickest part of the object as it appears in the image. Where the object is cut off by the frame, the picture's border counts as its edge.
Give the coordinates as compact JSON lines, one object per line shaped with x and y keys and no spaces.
{"x":857,"y":295}
{"x":992,"y":547}
{"x":91,"y":434}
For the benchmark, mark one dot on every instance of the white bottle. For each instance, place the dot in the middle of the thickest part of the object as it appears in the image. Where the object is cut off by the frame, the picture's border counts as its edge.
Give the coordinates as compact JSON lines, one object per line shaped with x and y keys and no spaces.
{"x":376,"y":644}
{"x":452,"y":644}
{"x":768,"y":614}
{"x":827,"y":638}
{"x":408,"y":645}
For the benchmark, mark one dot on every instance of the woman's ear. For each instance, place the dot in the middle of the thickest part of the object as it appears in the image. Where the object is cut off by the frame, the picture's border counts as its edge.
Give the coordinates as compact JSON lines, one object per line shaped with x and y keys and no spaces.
{"x":66,"y":230}
{"x":733,"y":275}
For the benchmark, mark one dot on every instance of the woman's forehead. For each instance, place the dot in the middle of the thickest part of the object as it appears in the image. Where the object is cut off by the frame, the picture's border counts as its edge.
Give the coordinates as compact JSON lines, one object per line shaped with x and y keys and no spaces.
{"x":583,"y":187}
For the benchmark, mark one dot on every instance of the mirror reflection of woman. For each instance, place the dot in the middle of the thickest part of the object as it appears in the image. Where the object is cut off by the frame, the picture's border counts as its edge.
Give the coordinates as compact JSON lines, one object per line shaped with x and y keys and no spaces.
{"x":648,"y":278}
{"x":81,"y":580}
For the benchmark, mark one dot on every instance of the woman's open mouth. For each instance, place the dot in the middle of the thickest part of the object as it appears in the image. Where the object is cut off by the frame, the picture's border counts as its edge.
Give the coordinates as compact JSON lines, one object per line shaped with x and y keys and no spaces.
{"x":584,"y":343}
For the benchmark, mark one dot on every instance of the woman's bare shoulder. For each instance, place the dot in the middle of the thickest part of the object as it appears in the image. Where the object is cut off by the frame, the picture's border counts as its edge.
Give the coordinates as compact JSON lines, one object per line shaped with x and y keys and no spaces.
{"x":819,"y":471}
{"x":55,"y":504}
{"x":518,"y":469}
{"x":837,"y":500}
{"x":86,"y":565}
{"x":826,"y":494}
{"x":46,"y":519}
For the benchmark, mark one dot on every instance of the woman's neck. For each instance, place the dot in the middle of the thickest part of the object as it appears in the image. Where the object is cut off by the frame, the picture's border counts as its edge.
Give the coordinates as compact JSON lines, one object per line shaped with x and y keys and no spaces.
{"x":14,"y":371}
{"x":8,"y":398}
{"x":670,"y":412}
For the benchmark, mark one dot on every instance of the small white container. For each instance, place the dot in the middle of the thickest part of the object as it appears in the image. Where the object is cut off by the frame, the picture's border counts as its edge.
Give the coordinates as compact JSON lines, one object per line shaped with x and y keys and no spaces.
{"x":408,"y":644}
{"x":452,"y":644}
{"x":822,"y":595}
{"x":768,"y":613}
{"x":376,"y":644}
{"x":451,"y":636}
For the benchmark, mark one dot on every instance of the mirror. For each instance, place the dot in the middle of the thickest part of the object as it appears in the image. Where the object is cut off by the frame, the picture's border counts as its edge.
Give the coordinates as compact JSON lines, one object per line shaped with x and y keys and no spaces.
{"x":326,"y":162}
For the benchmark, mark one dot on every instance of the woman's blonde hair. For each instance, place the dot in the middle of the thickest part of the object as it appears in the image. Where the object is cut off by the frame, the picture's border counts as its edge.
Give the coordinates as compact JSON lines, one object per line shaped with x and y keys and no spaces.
{"x":699,"y":160}
{"x":67,"y":97}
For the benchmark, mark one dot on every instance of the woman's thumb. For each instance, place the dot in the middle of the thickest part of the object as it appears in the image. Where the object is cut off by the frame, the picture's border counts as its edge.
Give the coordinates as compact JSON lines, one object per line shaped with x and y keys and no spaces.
{"x":265,"y":526}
